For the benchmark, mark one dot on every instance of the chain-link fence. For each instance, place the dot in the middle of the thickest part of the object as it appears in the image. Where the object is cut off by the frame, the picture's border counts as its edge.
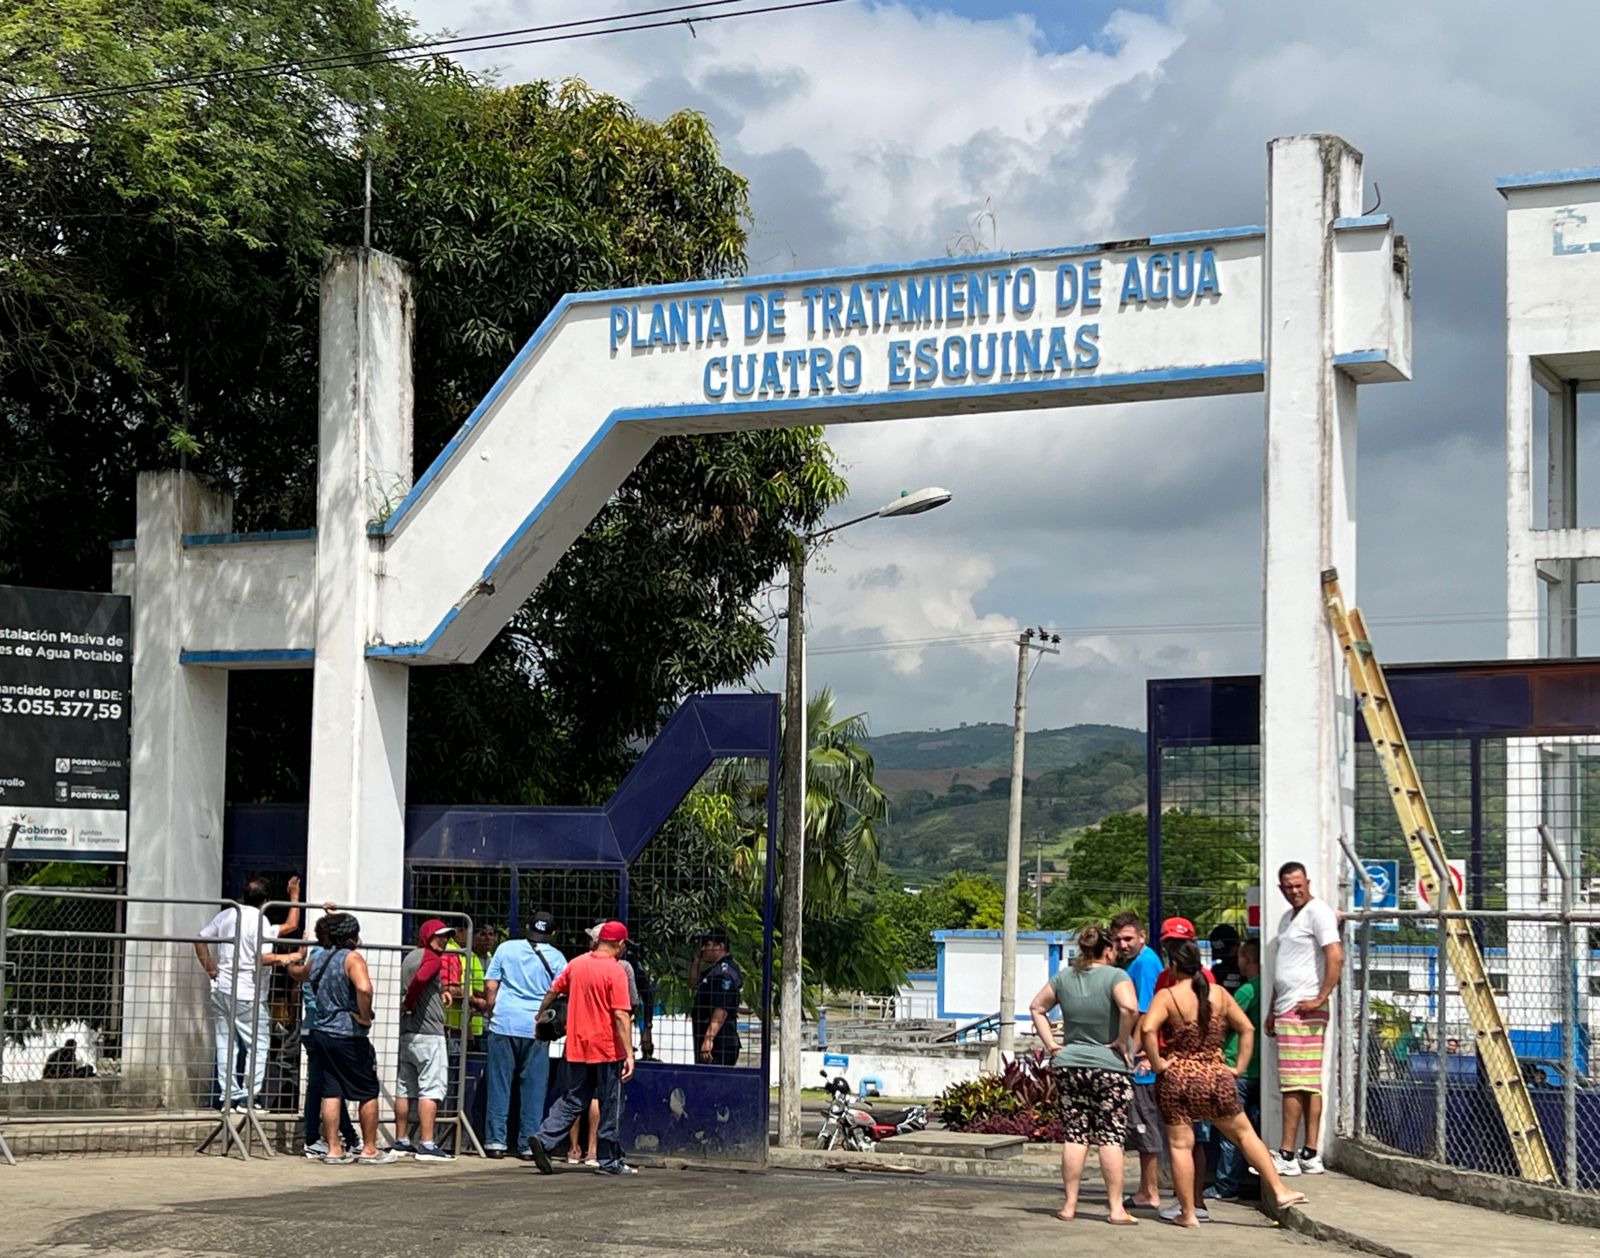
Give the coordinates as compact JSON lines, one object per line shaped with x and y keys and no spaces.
{"x":106,"y":1041}
{"x":1417,"y":1081}
{"x":388,"y":938}
{"x":1210,"y":815}
{"x":143,"y":1025}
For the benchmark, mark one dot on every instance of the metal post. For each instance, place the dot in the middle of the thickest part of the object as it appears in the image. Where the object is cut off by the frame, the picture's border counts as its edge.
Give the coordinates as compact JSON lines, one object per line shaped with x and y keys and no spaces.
{"x":1441,"y":1081}
{"x":794,"y":855}
{"x":5,"y":909}
{"x":1356,"y":1074}
{"x":5,"y":887}
{"x":1569,"y":1011}
{"x":1008,"y":938}
{"x":1358,"y":1120}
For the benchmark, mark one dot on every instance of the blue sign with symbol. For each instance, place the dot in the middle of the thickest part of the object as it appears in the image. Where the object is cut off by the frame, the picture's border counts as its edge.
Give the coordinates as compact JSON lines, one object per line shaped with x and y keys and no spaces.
{"x":1385,"y":878}
{"x":835,"y":1061}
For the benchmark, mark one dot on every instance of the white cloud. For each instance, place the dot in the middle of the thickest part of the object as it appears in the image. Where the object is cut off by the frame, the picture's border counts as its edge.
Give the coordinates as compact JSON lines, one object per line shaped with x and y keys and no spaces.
{"x":875,"y":131}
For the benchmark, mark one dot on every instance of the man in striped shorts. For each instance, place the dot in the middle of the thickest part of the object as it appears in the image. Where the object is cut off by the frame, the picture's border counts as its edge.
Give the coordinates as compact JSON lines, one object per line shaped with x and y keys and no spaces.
{"x":1305,"y":971}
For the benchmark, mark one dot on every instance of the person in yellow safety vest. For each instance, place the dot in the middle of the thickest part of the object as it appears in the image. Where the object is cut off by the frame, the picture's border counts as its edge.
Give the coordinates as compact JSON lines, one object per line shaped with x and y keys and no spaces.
{"x":477,"y":961}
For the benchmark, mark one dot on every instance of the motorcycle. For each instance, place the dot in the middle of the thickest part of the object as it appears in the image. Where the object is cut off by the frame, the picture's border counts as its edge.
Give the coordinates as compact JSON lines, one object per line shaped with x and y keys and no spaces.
{"x":856,"y":1126}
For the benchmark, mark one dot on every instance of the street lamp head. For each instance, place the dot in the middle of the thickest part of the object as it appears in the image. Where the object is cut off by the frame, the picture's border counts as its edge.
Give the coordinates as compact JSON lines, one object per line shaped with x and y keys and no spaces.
{"x":915,"y":502}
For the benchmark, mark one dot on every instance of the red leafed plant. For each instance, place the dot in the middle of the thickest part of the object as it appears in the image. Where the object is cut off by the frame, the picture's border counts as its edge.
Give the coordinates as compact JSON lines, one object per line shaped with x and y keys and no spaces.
{"x":1019,"y":1101}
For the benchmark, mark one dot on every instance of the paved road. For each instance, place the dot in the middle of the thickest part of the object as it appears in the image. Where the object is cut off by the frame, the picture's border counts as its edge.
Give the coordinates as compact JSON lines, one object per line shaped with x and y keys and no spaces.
{"x":171,"y":1207}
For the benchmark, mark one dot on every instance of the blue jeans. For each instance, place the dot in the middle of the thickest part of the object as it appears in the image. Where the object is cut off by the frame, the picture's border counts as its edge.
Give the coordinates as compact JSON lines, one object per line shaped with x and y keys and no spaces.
{"x":1230,"y":1169}
{"x":529,"y":1060}
{"x":589,"y":1080}
{"x":252,"y":1035}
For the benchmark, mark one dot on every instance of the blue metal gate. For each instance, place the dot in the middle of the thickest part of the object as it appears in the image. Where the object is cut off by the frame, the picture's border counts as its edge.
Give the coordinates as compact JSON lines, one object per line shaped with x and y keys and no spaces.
{"x":503,"y":863}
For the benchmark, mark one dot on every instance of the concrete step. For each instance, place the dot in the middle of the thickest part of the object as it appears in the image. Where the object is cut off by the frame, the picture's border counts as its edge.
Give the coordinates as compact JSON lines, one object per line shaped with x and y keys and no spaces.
{"x":957,"y":1144}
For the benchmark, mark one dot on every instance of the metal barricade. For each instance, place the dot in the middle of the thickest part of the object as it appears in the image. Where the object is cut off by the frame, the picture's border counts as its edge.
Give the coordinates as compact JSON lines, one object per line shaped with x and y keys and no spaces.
{"x":1417,"y":1083}
{"x":117,"y":971}
{"x":388,"y":935}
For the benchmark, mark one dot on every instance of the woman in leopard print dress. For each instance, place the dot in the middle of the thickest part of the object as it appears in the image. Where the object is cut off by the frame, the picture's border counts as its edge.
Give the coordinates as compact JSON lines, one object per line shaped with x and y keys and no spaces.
{"x":1183,"y":1035}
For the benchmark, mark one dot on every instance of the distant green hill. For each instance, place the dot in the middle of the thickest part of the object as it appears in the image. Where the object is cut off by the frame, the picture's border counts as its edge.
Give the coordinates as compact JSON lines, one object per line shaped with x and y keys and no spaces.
{"x":950,"y":792}
{"x":989,"y":746}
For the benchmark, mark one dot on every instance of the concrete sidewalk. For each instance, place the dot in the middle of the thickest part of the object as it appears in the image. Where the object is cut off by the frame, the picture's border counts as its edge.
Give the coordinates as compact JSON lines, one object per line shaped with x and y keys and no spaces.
{"x":1362,"y":1216}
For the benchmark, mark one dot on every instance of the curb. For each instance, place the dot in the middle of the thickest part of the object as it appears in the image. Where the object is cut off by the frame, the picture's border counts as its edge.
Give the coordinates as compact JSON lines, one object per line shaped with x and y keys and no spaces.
{"x":1295,"y":1219}
{"x":1015,"y":1170}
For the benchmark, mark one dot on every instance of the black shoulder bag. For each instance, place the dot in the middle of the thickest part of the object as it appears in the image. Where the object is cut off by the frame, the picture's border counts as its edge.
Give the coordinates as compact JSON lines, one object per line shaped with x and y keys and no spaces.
{"x":552,"y":1023}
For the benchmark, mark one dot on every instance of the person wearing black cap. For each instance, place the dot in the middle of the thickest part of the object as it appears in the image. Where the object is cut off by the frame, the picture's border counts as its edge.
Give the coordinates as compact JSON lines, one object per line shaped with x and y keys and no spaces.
{"x":520,"y":973}
{"x":718,"y":985}
{"x":1225,"y":958}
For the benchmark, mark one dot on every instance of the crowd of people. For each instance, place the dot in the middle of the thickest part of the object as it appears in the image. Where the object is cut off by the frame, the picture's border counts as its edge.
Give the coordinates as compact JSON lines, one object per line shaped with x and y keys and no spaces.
{"x":1158,"y":1053}
{"x":512,"y":1000}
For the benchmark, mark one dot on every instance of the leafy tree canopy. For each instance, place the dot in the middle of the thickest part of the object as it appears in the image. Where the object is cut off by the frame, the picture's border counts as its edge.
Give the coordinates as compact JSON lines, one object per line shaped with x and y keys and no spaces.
{"x":959,"y":901}
{"x":1206,"y":865}
{"x":159,"y":261}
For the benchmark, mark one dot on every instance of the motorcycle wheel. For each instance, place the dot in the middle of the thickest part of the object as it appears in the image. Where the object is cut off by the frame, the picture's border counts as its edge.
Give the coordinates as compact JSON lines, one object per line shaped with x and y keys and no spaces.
{"x":828,"y":1138}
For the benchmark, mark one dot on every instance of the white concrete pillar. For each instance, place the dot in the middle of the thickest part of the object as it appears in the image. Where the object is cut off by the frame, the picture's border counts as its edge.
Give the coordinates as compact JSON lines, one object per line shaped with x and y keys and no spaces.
{"x":358,"y":710}
{"x":1307,"y":737}
{"x":180,"y":731}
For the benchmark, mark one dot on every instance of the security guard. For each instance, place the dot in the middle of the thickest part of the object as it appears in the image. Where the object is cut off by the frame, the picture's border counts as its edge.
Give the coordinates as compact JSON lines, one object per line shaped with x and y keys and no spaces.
{"x":718,"y":986}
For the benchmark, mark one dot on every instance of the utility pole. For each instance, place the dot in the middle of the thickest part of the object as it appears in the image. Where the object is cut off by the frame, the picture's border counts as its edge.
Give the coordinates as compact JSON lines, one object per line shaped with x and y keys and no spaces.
{"x":1038,"y":877}
{"x":794,"y":790}
{"x":1008,"y":938}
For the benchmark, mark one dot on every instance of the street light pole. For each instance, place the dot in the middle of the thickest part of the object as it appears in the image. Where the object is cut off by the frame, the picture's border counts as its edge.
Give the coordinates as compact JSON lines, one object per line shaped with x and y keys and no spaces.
{"x":794,"y":824}
{"x":1008,"y":936}
{"x":793,"y":779}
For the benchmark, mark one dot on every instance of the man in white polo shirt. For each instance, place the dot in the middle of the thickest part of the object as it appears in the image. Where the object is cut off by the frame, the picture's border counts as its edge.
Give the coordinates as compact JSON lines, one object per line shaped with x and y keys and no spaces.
{"x":1305,"y":971}
{"x":233,"y":988}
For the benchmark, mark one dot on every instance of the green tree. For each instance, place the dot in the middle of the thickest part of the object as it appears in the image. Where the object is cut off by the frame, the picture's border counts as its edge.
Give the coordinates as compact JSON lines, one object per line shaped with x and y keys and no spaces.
{"x":958,"y":901}
{"x":1207,"y":864}
{"x":159,"y":262}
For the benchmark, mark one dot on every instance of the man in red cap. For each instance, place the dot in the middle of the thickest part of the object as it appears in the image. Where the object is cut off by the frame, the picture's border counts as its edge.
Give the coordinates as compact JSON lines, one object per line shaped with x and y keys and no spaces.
{"x":424,"y":1074}
{"x":1180,"y":928}
{"x":599,"y":1050}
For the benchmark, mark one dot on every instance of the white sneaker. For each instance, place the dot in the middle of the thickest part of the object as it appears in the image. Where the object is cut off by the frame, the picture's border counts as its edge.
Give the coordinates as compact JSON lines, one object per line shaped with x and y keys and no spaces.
{"x":1285,"y":1166}
{"x":1312,"y":1165}
{"x":1174,"y":1210}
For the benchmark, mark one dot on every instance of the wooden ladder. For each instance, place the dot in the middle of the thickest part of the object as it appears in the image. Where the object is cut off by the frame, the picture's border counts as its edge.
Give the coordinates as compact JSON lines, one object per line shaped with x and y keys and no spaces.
{"x":1460,"y":945}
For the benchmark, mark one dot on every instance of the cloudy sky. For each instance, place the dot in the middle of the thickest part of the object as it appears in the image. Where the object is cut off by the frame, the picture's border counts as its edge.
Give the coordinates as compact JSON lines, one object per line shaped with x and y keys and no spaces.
{"x":875,"y":131}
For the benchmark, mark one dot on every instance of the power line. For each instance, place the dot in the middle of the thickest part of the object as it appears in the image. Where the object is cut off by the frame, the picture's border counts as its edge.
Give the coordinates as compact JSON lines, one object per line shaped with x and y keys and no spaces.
{"x":688,"y":14}
{"x":988,"y":637}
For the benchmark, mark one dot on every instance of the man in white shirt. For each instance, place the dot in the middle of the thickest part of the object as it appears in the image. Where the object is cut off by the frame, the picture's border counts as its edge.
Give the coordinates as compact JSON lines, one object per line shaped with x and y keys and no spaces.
{"x":233,"y":988}
{"x":1305,"y":971}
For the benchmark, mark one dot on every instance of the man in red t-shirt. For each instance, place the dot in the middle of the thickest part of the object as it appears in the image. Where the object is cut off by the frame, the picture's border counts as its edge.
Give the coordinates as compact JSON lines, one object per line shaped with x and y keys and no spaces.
{"x":599,"y":1050}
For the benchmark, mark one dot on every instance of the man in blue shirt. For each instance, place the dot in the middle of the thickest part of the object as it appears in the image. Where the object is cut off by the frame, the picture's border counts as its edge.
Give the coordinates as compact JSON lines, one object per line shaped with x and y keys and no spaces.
{"x":1145,"y":1127}
{"x":519,"y":975}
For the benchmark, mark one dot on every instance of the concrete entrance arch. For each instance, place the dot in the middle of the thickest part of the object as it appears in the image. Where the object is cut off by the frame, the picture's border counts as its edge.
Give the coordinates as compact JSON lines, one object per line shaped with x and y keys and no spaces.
{"x":400,"y":574}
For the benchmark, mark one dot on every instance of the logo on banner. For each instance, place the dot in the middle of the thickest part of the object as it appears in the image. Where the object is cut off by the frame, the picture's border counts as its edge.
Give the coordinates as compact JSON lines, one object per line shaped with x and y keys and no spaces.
{"x":1385,"y":879}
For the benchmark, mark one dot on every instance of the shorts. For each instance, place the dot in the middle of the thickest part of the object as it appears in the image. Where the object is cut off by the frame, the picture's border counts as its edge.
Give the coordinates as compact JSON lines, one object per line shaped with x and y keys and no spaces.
{"x":1144,"y":1120}
{"x":349,"y":1068}
{"x":1094,"y":1105}
{"x":424,"y":1068}
{"x":1196,"y":1091}
{"x":1300,"y":1038}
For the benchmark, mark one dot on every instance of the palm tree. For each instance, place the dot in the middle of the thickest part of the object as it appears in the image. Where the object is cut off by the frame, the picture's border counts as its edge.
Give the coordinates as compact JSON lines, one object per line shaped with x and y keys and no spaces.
{"x":844,"y":806}
{"x":844,"y":809}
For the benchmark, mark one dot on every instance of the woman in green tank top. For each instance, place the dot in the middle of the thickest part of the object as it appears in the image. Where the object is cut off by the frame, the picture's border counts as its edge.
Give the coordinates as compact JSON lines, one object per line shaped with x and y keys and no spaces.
{"x":1094,"y":1075}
